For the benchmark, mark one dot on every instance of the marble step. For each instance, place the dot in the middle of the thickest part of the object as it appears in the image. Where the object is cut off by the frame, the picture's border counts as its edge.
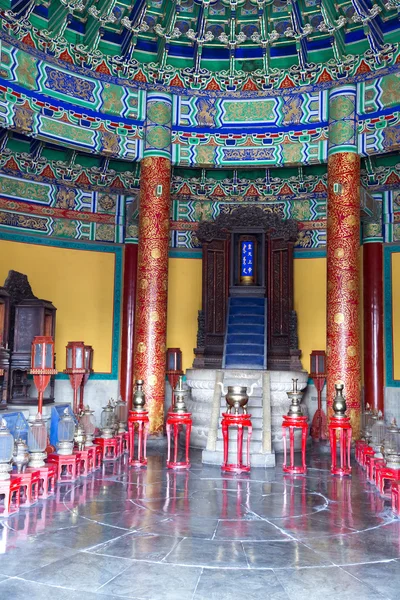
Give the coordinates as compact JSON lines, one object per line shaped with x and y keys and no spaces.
{"x":246,"y":320}
{"x":248,"y":301}
{"x":238,"y":328}
{"x":245,"y":348}
{"x":246,"y":310}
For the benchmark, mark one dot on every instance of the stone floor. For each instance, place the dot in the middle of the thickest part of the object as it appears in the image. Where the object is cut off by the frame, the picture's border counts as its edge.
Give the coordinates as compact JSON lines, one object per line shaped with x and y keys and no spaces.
{"x":200,"y":535}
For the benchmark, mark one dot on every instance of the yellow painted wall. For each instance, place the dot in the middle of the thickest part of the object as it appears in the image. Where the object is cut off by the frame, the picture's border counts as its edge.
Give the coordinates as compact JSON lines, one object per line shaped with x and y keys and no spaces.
{"x":396,"y":313}
{"x":184,"y":302}
{"x":310,"y":304}
{"x":80,"y":284}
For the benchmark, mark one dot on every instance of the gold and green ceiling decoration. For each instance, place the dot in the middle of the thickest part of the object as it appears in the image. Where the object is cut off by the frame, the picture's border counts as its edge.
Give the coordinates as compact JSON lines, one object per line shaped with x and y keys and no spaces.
{"x":245,"y":45}
{"x":250,"y":82}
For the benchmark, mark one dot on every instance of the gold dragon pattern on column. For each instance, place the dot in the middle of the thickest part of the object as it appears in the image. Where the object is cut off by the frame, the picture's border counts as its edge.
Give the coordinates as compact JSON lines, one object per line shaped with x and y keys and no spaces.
{"x":343,"y":253}
{"x":152,"y":273}
{"x":343,"y":256}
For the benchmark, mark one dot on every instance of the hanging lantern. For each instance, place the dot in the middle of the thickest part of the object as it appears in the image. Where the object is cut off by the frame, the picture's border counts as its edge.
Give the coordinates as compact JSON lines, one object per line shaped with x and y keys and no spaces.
{"x":121,"y":415}
{"x":89,"y":426}
{"x":108,"y":421}
{"x":42,"y":365}
{"x":6,"y":450}
{"x":65,"y":434}
{"x":75,"y":361}
{"x":37,"y":442}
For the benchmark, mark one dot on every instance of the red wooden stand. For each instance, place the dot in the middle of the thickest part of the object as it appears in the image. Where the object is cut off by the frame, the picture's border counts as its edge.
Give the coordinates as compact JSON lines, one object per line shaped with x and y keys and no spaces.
{"x":47,"y":481}
{"x":176,"y":421}
{"x":340,"y":430}
{"x":374,"y":464}
{"x":396,"y":498}
{"x":384,"y":474}
{"x":29,"y":487}
{"x":69,"y":462}
{"x":125,"y":441}
{"x":10,"y":488}
{"x":365,"y":455}
{"x":109,"y":447}
{"x":141,"y":419}
{"x":293,"y":423}
{"x":239,"y":421}
{"x":359,"y":445}
{"x":98,"y":457}
{"x":83,"y":462}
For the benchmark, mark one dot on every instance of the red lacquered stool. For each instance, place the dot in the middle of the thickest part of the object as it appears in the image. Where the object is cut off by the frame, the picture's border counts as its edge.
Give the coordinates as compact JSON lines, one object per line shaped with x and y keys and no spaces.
{"x":141,"y":419}
{"x":366,"y":451}
{"x":68,"y":467}
{"x":359,"y":445}
{"x":374,"y":463}
{"x":238,"y":421}
{"x":91,"y":454}
{"x":384,"y":474}
{"x":293,"y":423}
{"x":29,"y":487}
{"x":396,"y":498}
{"x":176,"y":421}
{"x":10,"y":489}
{"x":109,"y":447}
{"x":98,"y":456}
{"x":125,"y":441}
{"x":340,"y":430}
{"x":47,"y":481}
{"x":83,"y":462}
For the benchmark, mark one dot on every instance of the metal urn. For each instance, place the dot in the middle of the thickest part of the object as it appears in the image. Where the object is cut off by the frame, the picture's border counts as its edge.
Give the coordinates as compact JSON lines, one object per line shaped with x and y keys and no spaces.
{"x":139,"y":399}
{"x":391,"y":446}
{"x":108,"y":421}
{"x":180,"y":395}
{"x":339,"y":402}
{"x":237,"y":397}
{"x":20,"y":455}
{"x":295,"y":397}
{"x":80,"y":437}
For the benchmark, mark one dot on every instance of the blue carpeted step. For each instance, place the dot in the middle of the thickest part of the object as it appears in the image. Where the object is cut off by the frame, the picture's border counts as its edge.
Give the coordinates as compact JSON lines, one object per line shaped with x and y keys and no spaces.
{"x":253,"y":349}
{"x":246,"y":320}
{"x":246,"y":310}
{"x":247,"y":301}
{"x":245,"y":337}
{"x":245,"y":328}
{"x":244,"y":361}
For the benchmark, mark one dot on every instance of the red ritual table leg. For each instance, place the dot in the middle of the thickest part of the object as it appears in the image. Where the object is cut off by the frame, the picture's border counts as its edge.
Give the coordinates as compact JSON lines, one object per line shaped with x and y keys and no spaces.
{"x":284,"y":448}
{"x":168,"y":430}
{"x":176,"y":440}
{"x":332,"y":439}
{"x":304,"y":432}
{"x":225,"y":435}
{"x":188,"y":432}
{"x":291,"y":434}
{"x":240,"y":445}
{"x":249,"y":434}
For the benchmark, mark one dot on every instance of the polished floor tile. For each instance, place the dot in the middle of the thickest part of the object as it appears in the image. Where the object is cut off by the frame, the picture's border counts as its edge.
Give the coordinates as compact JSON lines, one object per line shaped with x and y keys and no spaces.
{"x":154,"y":534}
{"x":240,"y":584}
{"x":83,"y":571}
{"x":153,"y":581}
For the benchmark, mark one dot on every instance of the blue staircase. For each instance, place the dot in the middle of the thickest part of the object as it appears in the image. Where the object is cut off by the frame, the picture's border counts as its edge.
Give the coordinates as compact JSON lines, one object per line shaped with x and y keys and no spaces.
{"x":245,"y":342}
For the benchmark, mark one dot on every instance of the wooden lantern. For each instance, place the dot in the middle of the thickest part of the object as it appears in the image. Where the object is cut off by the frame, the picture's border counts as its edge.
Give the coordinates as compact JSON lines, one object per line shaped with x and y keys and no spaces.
{"x":75,"y":361}
{"x":42,"y":365}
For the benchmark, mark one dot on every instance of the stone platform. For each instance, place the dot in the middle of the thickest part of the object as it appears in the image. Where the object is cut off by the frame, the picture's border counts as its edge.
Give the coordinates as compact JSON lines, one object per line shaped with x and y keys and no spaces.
{"x":267,"y":405}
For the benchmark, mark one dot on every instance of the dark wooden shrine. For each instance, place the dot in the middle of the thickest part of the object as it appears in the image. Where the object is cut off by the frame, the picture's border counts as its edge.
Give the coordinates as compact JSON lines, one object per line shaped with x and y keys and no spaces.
{"x":4,"y":350}
{"x":29,"y":316}
{"x":274,"y":281}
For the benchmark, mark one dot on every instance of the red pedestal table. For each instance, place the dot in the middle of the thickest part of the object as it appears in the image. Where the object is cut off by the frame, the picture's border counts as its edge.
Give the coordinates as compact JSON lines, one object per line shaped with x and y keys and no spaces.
{"x":396,"y":498}
{"x":10,"y":489}
{"x":340,"y":431}
{"x":47,"y":481}
{"x":292,"y":423}
{"x":365,"y":454}
{"x":29,"y":487}
{"x":374,"y":463}
{"x":175,"y":422}
{"x":359,"y":445}
{"x":240,"y":422}
{"x":384,"y":474}
{"x":109,"y":447}
{"x":141,"y":419}
{"x":68,"y":466}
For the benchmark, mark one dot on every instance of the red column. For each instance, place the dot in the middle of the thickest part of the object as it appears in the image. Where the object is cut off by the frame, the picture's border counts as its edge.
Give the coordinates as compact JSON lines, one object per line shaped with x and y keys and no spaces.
{"x":373,"y":325}
{"x":343,"y":282}
{"x":128,"y":322}
{"x":152,"y":288}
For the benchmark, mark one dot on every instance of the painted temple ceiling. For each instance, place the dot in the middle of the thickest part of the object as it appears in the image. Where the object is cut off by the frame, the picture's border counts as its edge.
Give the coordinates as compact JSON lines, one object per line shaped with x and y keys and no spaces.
{"x":213,"y":45}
